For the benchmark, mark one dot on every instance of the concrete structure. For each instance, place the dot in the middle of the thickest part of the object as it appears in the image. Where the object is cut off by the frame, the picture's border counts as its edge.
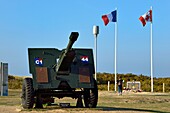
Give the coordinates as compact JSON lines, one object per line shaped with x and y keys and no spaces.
{"x":3,"y":79}
{"x":134,"y":85}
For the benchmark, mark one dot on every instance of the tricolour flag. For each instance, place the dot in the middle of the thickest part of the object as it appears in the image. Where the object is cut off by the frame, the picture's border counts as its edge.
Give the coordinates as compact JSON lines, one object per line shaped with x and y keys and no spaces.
{"x":112,"y":17}
{"x":84,"y":59}
{"x":147,"y":17}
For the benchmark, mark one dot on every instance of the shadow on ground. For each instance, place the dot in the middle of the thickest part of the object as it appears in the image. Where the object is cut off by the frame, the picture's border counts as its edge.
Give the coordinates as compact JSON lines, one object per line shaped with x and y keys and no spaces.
{"x":99,"y":108}
{"x":103,"y":108}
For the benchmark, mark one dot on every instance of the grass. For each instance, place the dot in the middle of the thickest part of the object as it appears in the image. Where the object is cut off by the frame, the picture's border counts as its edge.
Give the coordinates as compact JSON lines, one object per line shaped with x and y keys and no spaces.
{"x":137,"y":102}
{"x":108,"y":101}
{"x":12,"y":99}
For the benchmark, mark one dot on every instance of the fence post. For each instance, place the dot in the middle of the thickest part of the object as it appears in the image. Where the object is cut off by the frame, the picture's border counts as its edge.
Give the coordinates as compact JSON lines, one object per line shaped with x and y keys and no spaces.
{"x":163,"y":87}
{"x":108,"y":86}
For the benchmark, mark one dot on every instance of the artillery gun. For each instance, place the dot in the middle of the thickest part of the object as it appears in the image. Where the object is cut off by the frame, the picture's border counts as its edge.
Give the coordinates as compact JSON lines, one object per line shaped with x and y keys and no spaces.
{"x":60,"y":73}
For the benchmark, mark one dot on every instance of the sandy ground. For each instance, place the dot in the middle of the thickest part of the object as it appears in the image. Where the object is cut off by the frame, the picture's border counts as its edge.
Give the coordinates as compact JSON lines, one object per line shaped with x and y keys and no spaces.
{"x":17,"y":109}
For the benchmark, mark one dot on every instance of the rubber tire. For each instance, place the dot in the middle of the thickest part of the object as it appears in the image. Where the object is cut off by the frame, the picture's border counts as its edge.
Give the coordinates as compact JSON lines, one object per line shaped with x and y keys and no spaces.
{"x":91,"y":96}
{"x":27,"y":94}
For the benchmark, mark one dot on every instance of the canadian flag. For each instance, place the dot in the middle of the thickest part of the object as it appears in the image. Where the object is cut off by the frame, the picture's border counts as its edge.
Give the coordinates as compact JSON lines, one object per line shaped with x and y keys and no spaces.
{"x":147,"y":17}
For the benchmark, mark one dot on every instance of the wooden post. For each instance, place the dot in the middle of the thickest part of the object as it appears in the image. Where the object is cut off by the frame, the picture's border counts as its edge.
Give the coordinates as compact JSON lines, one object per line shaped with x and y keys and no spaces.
{"x":108,"y":85}
{"x":163,"y":87}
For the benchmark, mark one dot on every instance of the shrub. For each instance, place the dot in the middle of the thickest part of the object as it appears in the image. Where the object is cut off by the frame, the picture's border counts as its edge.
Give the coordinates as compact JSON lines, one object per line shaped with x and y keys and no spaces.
{"x":14,"y":82}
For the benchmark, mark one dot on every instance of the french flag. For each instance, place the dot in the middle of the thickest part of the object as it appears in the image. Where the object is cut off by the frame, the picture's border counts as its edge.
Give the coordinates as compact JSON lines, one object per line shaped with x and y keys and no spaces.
{"x":147,"y":17}
{"x":112,"y":17}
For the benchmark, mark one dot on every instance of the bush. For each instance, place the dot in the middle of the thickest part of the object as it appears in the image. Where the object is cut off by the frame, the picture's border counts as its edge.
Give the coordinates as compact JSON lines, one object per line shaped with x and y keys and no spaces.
{"x":14,"y":82}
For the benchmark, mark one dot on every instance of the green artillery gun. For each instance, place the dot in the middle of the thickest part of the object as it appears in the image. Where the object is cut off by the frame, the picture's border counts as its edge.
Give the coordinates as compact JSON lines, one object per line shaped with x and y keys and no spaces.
{"x":60,"y":73}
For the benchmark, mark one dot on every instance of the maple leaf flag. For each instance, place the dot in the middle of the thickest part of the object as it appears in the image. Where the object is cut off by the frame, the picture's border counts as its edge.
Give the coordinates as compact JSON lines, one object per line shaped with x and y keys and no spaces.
{"x":147,"y":17}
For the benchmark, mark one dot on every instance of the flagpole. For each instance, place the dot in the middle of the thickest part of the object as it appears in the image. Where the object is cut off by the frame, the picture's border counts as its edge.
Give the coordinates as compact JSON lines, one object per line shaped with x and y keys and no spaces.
{"x":115,"y":53}
{"x":95,"y":33}
{"x":151,"y":58}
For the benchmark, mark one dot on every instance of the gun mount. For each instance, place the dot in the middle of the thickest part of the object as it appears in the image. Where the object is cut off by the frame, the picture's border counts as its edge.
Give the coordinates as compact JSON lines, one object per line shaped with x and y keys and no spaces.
{"x":49,"y":66}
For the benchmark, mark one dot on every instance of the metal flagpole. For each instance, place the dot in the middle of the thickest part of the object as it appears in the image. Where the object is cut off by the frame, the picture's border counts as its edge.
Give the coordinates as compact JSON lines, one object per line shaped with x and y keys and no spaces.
{"x":151,"y":59}
{"x":96,"y":58}
{"x":115,"y":52}
{"x":95,"y":33}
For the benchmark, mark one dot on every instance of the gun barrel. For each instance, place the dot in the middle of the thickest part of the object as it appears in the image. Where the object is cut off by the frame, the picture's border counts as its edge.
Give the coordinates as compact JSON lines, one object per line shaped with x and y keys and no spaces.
{"x":67,"y":56}
{"x":73,"y":37}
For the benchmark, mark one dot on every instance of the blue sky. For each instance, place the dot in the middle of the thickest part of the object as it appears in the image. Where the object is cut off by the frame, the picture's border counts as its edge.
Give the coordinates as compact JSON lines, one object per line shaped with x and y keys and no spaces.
{"x":48,"y":23}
